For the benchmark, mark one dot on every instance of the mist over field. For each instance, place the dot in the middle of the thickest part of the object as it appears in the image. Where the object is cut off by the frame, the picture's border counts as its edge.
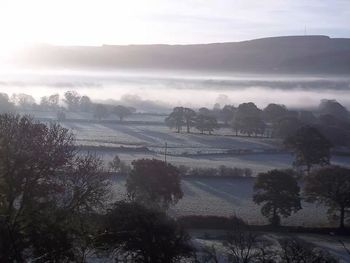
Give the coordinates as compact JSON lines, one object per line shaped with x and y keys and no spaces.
{"x":161,"y":131}
{"x":160,"y":91}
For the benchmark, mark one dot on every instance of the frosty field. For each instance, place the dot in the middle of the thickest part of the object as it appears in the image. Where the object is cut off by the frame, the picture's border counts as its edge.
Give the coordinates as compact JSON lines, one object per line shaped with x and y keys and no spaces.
{"x":135,"y":141}
{"x":145,"y":137}
{"x":228,"y":197}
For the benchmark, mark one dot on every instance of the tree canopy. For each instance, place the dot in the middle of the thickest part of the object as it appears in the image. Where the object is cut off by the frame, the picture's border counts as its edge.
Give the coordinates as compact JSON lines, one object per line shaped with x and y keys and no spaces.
{"x":154,"y":183}
{"x":330,"y":186}
{"x":274,"y":112}
{"x":139,"y":234}
{"x":310,"y":148}
{"x":247,"y":119}
{"x":176,"y":119}
{"x":122,"y":112}
{"x":72,"y":99}
{"x":278,"y":190}
{"x":46,"y":189}
{"x":206,"y":123}
{"x":334,"y":108}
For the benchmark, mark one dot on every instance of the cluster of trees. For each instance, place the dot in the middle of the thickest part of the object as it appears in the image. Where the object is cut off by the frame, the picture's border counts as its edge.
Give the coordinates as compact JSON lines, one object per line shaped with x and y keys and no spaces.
{"x":202,"y":120}
{"x":48,"y":192}
{"x":55,"y":204}
{"x":72,"y":102}
{"x":118,"y":167}
{"x":76,"y":102}
{"x":54,"y":201}
{"x":331,"y":118}
{"x":24,"y":102}
{"x":279,"y":191}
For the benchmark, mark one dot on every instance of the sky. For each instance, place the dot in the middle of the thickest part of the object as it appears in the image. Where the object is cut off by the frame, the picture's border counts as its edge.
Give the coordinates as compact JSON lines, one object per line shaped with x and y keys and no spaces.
{"x":97,"y":22}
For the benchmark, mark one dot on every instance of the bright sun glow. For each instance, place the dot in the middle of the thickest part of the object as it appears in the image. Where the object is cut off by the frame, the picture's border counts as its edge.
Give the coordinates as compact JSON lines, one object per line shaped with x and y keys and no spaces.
{"x":77,"y":22}
{"x":96,"y":22}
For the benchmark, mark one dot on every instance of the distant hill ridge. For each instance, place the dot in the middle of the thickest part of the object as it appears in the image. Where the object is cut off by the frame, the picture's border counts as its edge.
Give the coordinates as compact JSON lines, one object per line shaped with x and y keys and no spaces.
{"x":289,"y":54}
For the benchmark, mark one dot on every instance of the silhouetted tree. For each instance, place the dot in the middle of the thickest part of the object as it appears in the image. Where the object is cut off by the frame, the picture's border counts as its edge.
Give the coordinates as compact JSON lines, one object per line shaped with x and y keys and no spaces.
{"x":23,"y":101}
{"x":330,"y":186}
{"x":189,"y":116}
{"x":334,"y":129}
{"x":86,"y":104}
{"x":176,"y":119}
{"x":242,"y":244}
{"x":227,"y":114}
{"x":154,"y":183}
{"x":45,"y":187}
{"x":274,"y":112}
{"x":72,"y":99}
{"x":115,"y":164}
{"x":204,"y":111}
{"x":334,"y":108}
{"x":278,"y":190}
{"x":245,"y":246}
{"x":50,"y":102}
{"x":252,"y":125}
{"x":295,"y":250}
{"x":237,"y":124}
{"x":206,"y":123}
{"x":5,"y":105}
{"x":134,"y":233}
{"x":286,"y":127}
{"x":310,"y":148}
{"x":122,"y":112}
{"x":118,"y":166}
{"x":248,"y":119}
{"x":100,"y":111}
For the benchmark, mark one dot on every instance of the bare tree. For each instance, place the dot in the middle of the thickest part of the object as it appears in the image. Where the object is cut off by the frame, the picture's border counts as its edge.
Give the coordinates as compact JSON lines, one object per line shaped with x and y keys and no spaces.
{"x":298,"y":251}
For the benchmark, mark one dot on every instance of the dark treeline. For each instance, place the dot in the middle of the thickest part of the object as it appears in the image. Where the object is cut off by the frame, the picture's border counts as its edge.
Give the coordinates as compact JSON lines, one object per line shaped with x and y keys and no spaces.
{"x":120,"y":168}
{"x":56,"y":204}
{"x":71,"y":102}
{"x":275,"y":121}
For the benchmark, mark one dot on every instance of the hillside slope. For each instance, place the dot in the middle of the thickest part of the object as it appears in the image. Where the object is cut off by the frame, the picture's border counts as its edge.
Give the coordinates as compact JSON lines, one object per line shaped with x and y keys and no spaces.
{"x":293,"y":54}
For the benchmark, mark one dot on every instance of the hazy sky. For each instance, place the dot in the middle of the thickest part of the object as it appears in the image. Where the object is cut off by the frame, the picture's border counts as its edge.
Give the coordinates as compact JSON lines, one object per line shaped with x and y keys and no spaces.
{"x":94,"y":22}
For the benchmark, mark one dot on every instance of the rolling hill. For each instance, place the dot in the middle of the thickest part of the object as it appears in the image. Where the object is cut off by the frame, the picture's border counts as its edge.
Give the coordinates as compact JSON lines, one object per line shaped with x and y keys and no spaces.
{"x":290,"y":54}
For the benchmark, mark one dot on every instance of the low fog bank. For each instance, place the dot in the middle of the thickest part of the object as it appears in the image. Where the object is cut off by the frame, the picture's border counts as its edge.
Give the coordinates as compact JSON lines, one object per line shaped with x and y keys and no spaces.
{"x":152,"y":92}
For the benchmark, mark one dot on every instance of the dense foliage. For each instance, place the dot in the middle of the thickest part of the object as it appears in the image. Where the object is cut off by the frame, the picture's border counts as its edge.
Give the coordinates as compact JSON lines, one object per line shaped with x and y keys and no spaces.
{"x":134,"y":233}
{"x":154,"y":183}
{"x":330,"y":186}
{"x":278,"y":191}
{"x":310,"y":148}
{"x":46,"y":191}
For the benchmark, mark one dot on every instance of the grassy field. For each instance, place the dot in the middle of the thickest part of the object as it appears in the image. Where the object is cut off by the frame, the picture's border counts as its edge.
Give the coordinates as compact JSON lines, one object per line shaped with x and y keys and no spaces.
{"x":203,"y":196}
{"x":133,"y":140}
{"x":229,"y":196}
